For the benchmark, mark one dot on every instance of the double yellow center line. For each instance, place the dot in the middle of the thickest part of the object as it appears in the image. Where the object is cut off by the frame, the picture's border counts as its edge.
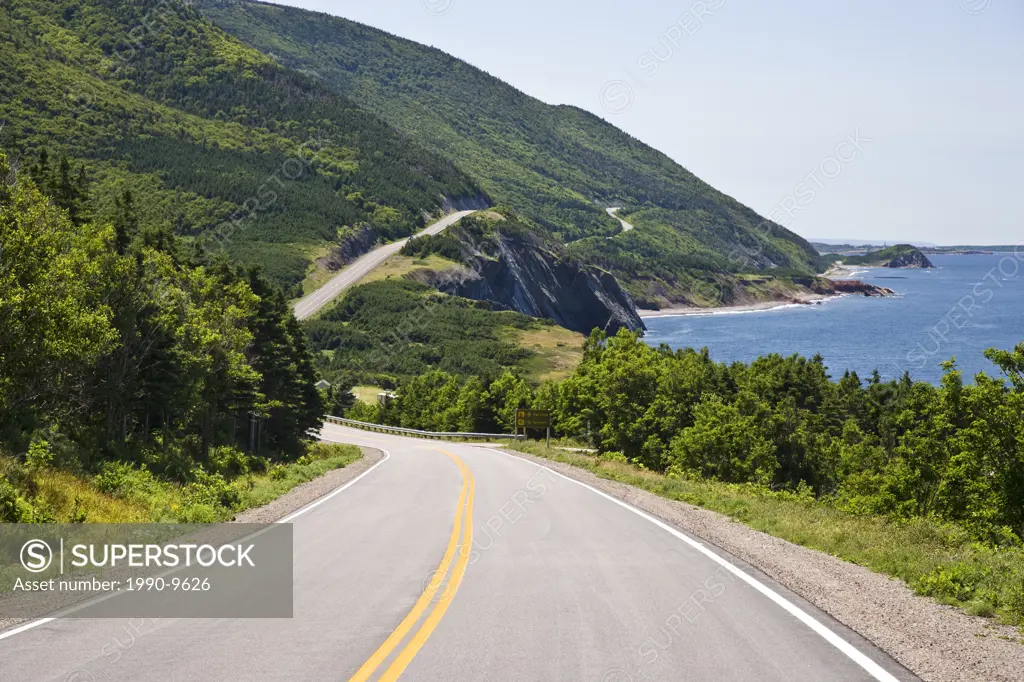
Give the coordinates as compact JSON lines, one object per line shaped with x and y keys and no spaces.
{"x":463,"y":521}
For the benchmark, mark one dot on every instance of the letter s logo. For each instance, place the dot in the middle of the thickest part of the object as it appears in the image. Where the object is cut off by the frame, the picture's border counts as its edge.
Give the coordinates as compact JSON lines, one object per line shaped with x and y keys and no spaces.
{"x":36,"y":556}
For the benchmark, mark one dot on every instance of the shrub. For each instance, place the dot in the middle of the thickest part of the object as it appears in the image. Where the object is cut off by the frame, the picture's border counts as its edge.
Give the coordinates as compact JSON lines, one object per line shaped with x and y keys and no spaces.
{"x":363,"y":412}
{"x":14,"y":508}
{"x":125,"y":480}
{"x":209,"y":489}
{"x":951,"y":584}
{"x":230,"y":461}
{"x":10,"y":504}
{"x":39,"y":454}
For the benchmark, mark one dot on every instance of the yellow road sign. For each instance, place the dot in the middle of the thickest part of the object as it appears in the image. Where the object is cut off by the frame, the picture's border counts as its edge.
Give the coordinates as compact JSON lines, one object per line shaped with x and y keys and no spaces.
{"x":533,"y":419}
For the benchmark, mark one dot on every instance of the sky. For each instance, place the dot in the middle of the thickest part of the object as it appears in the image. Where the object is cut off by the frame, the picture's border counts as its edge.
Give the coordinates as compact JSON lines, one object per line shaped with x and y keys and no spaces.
{"x":870,"y":120}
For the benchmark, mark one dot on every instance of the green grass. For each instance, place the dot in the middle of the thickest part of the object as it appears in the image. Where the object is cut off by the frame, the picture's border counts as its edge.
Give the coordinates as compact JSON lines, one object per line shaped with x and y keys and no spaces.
{"x":317,"y":274}
{"x":937,"y":560}
{"x":321,"y":458}
{"x":399,"y":266}
{"x":366,"y":394}
{"x":68,"y":496}
{"x":556,"y":352}
{"x":131,"y":495}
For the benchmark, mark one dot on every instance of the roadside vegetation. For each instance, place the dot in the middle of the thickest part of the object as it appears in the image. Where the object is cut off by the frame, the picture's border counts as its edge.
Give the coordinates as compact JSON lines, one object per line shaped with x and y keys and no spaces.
{"x":138,"y":380}
{"x":439,"y":401}
{"x":124,"y":492}
{"x":401,"y":266}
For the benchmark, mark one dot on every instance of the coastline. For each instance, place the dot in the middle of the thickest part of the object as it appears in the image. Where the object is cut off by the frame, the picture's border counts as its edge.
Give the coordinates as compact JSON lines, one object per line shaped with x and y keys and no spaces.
{"x":760,"y":306}
{"x":839,"y":277}
{"x":840,"y":271}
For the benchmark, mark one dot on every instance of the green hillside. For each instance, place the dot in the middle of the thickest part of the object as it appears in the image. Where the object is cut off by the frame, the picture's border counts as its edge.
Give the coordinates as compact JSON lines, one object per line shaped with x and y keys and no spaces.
{"x":391,"y":330}
{"x":557,"y":165}
{"x":217,"y":141}
{"x":897,"y":256}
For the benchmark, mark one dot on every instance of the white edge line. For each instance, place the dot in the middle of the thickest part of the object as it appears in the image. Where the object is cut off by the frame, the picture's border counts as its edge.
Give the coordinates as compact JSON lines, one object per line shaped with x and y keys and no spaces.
{"x":26,"y":626}
{"x":315,"y":503}
{"x":858,"y":657}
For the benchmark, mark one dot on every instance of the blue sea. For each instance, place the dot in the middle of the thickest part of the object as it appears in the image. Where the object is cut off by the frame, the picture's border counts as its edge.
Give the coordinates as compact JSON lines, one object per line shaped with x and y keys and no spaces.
{"x":963,"y":306}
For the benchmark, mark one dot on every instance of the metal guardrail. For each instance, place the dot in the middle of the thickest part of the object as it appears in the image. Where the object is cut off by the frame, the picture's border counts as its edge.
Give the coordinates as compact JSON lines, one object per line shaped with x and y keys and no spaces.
{"x":382,"y":428}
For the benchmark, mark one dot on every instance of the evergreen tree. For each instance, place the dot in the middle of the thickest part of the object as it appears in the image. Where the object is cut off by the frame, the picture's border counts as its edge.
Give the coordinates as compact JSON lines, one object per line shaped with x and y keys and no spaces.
{"x":132,"y":352}
{"x":126,"y":221}
{"x":291,"y":404}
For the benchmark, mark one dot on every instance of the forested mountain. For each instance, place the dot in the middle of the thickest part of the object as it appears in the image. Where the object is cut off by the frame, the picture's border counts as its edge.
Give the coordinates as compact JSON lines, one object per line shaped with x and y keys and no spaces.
{"x":216,"y":140}
{"x":557,"y":165}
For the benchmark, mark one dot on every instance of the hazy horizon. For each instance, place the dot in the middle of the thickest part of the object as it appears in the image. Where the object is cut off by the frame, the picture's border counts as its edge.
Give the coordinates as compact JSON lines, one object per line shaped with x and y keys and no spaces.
{"x":754,"y":99}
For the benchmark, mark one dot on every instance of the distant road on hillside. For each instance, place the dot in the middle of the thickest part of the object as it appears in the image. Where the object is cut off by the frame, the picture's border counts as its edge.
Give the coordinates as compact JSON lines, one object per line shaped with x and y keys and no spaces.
{"x":626,"y":227}
{"x":308,"y":306}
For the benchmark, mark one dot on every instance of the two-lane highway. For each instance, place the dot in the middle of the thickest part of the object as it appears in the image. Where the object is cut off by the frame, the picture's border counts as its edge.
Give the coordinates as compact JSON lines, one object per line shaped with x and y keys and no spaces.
{"x":450,"y":561}
{"x":308,"y":305}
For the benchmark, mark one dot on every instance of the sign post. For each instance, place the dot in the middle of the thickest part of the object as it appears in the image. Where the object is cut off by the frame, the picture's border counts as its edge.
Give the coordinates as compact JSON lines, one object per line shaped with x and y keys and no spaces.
{"x":534,"y":419}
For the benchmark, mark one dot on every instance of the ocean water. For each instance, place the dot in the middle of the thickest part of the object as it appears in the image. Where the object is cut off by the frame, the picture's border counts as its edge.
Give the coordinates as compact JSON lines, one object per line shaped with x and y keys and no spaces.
{"x":960,"y":308}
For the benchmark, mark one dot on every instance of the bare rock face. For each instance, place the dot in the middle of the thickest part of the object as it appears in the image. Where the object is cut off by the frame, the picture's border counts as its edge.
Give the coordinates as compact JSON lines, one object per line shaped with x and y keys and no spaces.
{"x":855,"y":286}
{"x":524,"y":276}
{"x":361,"y":241}
{"x":833,"y":287}
{"x":466,"y":203}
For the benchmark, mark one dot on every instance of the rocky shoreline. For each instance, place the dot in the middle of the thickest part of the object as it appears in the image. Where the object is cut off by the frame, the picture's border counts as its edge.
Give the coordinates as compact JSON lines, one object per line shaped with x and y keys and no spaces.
{"x":856,"y":286}
{"x":819,"y":292}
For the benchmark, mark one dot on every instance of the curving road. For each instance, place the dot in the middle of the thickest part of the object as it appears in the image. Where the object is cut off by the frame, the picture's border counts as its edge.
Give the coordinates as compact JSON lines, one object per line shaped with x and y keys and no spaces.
{"x":458,"y":562}
{"x":308,"y":306}
{"x":626,"y":227}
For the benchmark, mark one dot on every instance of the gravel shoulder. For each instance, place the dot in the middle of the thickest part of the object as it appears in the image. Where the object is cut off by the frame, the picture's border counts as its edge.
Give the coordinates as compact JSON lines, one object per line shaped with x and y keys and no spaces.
{"x":310,"y":491}
{"x":938,"y":643}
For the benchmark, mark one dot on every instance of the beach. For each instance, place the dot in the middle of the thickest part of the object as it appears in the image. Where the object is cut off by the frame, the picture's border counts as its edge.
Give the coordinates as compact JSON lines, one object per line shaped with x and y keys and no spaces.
{"x":760,"y":306}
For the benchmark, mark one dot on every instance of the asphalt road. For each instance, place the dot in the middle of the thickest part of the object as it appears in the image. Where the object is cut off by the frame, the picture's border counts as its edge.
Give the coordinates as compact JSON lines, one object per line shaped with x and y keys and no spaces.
{"x":541,"y":578}
{"x":308,"y":305}
{"x":626,"y":227}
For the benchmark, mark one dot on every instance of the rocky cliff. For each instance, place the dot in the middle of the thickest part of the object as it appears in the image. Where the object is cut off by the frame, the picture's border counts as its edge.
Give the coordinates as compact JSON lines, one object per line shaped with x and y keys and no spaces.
{"x":352,"y":246}
{"x":517,"y":272}
{"x":824,"y":286}
{"x":855,"y":286}
{"x":466,"y":203}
